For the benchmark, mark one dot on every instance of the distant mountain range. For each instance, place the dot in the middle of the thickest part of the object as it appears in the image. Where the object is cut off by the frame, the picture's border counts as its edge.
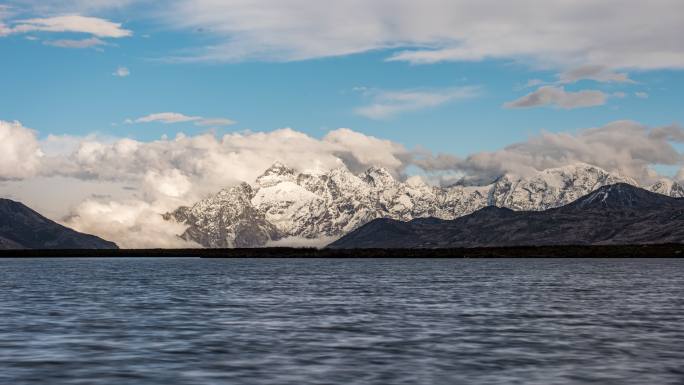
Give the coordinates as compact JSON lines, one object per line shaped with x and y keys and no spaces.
{"x":283,"y":204}
{"x":612,"y":215}
{"x":23,"y":228}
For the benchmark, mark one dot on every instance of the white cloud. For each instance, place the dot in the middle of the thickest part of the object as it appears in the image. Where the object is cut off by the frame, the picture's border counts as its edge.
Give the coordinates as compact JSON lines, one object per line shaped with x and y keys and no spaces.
{"x":212,"y":162}
{"x":622,"y":146}
{"x":558,"y":97}
{"x":131,"y":224}
{"x":167,"y":117}
{"x":175,"y":117}
{"x":680,"y":175}
{"x":20,"y":153}
{"x":71,"y":43}
{"x":609,"y":33}
{"x":643,"y":35}
{"x":641,"y":95}
{"x":386,"y":104}
{"x":121,"y":72}
{"x":72,"y":23}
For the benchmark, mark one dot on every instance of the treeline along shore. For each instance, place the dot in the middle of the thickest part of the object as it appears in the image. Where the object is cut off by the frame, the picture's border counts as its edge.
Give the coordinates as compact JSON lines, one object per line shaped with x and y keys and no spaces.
{"x":571,"y":251}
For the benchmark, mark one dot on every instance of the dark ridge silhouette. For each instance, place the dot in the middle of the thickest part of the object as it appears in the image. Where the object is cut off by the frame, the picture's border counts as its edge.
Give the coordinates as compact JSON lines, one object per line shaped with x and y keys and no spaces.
{"x":619,"y":214}
{"x":23,"y":228}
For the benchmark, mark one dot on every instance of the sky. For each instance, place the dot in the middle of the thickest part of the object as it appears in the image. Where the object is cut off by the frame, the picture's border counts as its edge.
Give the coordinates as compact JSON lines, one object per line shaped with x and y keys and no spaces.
{"x":125,"y":106}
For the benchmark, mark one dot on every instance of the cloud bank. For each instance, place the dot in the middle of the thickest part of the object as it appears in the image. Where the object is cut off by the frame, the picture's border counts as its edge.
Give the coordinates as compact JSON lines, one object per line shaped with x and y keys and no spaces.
{"x":626,"y":147}
{"x":20,"y":154}
{"x":146,"y":179}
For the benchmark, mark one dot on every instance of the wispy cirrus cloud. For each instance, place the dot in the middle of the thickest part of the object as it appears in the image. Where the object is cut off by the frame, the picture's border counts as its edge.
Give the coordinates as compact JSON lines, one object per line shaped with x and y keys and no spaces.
{"x":560,"y":98}
{"x":72,"y":23}
{"x":577,"y":34}
{"x":76,"y":43}
{"x":605,"y":33}
{"x":386,"y":104}
{"x":98,"y":29}
{"x":599,"y":73}
{"x":176,"y":117}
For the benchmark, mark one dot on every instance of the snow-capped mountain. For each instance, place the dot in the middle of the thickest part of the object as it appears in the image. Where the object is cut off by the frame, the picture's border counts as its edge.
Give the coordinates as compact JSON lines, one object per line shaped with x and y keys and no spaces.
{"x":283,"y":203}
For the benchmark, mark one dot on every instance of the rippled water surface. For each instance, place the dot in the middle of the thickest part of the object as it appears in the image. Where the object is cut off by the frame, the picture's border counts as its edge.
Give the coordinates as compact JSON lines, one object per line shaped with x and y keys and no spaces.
{"x":280,"y":321}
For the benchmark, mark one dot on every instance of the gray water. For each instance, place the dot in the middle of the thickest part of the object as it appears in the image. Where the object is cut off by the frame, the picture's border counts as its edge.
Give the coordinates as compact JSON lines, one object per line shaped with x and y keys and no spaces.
{"x":280,"y":321}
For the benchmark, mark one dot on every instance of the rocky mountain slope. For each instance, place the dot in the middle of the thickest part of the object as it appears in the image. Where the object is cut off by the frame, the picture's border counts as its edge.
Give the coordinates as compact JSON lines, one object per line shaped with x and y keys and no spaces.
{"x":284,"y":204}
{"x":615,"y":214}
{"x":23,"y":228}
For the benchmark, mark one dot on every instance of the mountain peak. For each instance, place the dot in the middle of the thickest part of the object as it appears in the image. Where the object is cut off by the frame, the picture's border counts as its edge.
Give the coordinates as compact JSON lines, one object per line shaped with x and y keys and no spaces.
{"x":278,"y":172}
{"x":278,"y":168}
{"x":378,"y":176}
{"x":621,"y":195}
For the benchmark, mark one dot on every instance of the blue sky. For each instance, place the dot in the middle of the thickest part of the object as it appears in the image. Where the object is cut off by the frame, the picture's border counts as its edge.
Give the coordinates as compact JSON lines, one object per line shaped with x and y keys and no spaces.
{"x":57,"y":90}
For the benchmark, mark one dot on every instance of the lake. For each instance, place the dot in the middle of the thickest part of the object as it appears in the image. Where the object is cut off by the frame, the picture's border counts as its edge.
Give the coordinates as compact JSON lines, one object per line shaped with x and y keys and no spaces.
{"x":343,"y":321}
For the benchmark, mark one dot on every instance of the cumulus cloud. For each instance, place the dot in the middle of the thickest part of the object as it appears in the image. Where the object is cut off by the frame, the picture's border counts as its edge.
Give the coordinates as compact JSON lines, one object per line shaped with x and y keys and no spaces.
{"x":558,"y":97}
{"x":121,"y":72}
{"x":680,"y":175}
{"x":624,"y":146}
{"x":386,"y":104}
{"x":20,"y":153}
{"x":175,"y":117}
{"x":131,"y":224}
{"x":213,"y":162}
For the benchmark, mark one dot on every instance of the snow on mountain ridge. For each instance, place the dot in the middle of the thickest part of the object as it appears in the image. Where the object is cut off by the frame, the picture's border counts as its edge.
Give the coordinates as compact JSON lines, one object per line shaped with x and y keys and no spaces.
{"x":283,"y":203}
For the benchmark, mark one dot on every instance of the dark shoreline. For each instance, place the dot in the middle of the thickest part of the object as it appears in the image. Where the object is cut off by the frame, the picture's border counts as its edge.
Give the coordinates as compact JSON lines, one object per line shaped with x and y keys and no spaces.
{"x":613,"y":251}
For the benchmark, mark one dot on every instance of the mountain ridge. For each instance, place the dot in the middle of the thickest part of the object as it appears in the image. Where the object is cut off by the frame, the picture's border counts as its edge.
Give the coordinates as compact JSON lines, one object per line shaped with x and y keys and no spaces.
{"x":23,"y":228}
{"x":611,"y":215}
{"x":286,"y":204}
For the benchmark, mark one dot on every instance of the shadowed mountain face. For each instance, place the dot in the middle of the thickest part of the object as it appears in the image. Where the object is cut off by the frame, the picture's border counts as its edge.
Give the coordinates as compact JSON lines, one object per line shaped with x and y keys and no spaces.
{"x":615,"y":214}
{"x":23,"y":228}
